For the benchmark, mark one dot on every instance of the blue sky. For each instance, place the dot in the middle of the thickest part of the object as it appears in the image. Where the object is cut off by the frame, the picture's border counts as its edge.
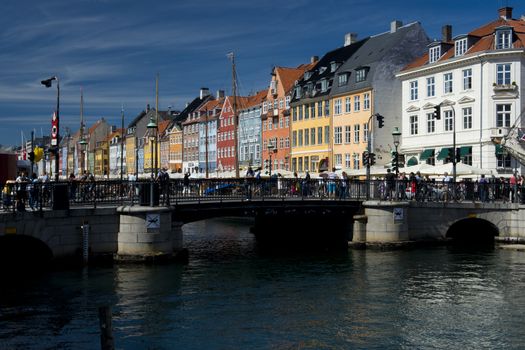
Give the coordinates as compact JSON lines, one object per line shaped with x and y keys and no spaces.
{"x":113,"y":49}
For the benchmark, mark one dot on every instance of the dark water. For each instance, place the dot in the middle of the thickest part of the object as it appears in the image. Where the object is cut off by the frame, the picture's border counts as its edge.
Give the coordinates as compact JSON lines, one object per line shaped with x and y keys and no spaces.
{"x":235,"y":295}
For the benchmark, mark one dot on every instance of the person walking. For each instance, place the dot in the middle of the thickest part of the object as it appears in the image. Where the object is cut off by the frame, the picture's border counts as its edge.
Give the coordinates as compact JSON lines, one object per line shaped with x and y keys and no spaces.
{"x":390,"y":184}
{"x":186,"y":184}
{"x":248,"y":179}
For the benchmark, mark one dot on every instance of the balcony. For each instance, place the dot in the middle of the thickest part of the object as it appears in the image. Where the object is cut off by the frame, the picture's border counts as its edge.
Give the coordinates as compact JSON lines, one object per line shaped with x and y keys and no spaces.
{"x":505,"y":90}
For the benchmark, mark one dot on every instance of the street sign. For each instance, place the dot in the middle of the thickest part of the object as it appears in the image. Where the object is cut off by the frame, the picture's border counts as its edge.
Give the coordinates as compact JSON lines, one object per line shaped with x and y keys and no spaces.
{"x":398,"y":214}
{"x":54,"y":129}
{"x":152,"y":220}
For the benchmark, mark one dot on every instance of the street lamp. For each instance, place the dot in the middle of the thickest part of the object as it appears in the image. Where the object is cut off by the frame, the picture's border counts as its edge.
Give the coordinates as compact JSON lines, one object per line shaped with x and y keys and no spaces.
{"x":396,"y":135}
{"x":271,"y":149}
{"x":83,"y":143}
{"x":152,"y":125}
{"x":56,"y":123}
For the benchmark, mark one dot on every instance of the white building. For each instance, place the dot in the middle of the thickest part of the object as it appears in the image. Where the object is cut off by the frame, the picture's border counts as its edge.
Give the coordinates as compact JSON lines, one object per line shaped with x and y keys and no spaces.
{"x":477,"y":80}
{"x":115,"y":154}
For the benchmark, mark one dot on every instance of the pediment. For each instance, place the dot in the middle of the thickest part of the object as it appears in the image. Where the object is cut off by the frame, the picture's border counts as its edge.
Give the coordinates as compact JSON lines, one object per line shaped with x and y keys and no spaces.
{"x":413,"y":109}
{"x":446,"y":103}
{"x":429,"y":105}
{"x":466,"y":99}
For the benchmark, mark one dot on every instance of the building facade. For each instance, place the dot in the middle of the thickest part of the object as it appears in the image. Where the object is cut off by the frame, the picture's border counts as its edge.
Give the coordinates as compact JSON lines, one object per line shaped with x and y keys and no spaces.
{"x":249,"y":132}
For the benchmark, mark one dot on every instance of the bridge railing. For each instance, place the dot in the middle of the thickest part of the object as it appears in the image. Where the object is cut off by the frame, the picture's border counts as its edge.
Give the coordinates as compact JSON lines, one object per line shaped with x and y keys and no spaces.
{"x":39,"y":196}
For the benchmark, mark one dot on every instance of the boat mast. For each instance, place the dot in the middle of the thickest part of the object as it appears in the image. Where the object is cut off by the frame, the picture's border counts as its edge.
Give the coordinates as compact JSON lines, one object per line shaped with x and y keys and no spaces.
{"x":235,"y":118}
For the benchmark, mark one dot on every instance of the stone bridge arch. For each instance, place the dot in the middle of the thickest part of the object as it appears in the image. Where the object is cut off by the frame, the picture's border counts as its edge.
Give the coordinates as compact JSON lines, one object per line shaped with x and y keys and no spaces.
{"x":23,"y":251}
{"x":472,"y":230}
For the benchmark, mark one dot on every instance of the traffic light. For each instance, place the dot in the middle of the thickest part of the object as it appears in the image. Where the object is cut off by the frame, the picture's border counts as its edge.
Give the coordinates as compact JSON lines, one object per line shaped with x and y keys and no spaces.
{"x":365,"y":158}
{"x":380,"y":120}
{"x":395,"y":162}
{"x":458,"y":154}
{"x":451,"y":154}
{"x":437,"y":112}
{"x":372,"y":158}
{"x":266,"y":164}
{"x":31,"y":156}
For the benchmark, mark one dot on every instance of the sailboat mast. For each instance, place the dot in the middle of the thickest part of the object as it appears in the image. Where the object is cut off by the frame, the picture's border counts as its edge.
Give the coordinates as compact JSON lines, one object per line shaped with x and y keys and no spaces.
{"x":235,"y":117}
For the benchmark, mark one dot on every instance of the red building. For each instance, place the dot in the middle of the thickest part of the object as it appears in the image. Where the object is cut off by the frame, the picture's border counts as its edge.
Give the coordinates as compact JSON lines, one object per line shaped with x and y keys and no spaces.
{"x":226,"y":133}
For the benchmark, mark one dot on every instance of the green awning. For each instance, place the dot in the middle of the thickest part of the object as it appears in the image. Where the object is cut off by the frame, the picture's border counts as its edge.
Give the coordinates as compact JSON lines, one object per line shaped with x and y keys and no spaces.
{"x":412,"y":161}
{"x":426,"y":154}
{"x":499,"y":150}
{"x":443,"y":154}
{"x":465,"y":151}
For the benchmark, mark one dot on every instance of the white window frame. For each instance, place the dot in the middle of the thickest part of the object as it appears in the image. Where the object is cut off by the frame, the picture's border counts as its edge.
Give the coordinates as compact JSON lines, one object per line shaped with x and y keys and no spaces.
{"x":337,"y":106}
{"x":357,"y":103}
{"x":448,"y":80}
{"x":467,"y":117}
{"x":365,"y":132}
{"x":503,"y":113}
{"x":431,"y":87}
{"x":460,"y":47}
{"x":503,"y":39}
{"x":434,"y":53}
{"x":503,"y":73}
{"x":357,"y":131}
{"x":338,"y":135}
{"x":413,"y":90}
{"x":413,"y":120}
{"x":348,"y":104}
{"x":448,"y":120}
{"x":431,"y":123}
{"x":366,"y":101}
{"x":348,"y":134}
{"x":467,"y":79}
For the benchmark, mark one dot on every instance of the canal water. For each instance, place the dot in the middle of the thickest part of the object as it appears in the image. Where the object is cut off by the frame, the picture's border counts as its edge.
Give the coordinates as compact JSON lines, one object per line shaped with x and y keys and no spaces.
{"x":234,"y":294}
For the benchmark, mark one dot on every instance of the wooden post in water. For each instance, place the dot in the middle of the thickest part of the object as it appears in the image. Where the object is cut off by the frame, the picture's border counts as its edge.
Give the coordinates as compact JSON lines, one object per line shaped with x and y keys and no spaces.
{"x":106,"y":330}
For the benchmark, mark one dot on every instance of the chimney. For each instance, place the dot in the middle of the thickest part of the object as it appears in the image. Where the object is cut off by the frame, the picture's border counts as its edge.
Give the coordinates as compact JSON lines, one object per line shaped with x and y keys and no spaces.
{"x":505,"y":12}
{"x":147,"y":108}
{"x":113,"y":128}
{"x":395,"y":25}
{"x":350,"y":38}
{"x":446,"y":33}
{"x":220,"y":94}
{"x":204,"y":92}
{"x":314,"y":59}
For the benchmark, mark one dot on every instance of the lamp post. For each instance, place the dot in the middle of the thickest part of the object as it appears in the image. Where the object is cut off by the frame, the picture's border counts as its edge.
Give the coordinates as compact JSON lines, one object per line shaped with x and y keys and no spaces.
{"x":152,"y":125}
{"x":271,"y":149}
{"x":48,"y":83}
{"x":396,"y":135}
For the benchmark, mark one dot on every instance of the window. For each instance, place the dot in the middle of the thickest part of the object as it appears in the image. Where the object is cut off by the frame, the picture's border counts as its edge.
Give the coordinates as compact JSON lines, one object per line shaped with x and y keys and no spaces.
{"x":449,"y":121}
{"x":431,"y":123}
{"x":327,"y":108}
{"x":413,"y":90}
{"x":348,"y":103}
{"x":281,"y":103}
{"x":319,"y":109}
{"x":447,"y":83}
{"x":300,"y":113}
{"x":300,"y":138}
{"x":294,"y":164}
{"x":294,"y":139}
{"x":274,"y":104}
{"x":337,"y":106}
{"x":306,"y":112}
{"x":356,"y":133}
{"x":413,"y":125}
{"x":286,"y":121}
{"x":503,"y":74}
{"x":300,"y":164}
{"x":360,"y":75}
{"x":365,"y":132}
{"x":320,"y":135}
{"x":461,"y":47}
{"x":338,"y":131}
{"x":306,"y":163}
{"x":366,"y":101}
{"x":503,"y":160}
{"x":326,"y":134}
{"x":356,"y":160}
{"x":431,"y":87}
{"x":348,"y":134}
{"x":312,"y":110}
{"x":342,"y":79}
{"x":287,"y":102}
{"x":314,"y":162}
{"x":503,"y":39}
{"x":503,"y":115}
{"x":265,"y":107}
{"x":324,"y":85}
{"x":312,"y":136}
{"x":467,"y":79}
{"x":294,"y":114}
{"x":281,"y":122}
{"x":434,"y":54}
{"x":467,"y":118}
{"x":348,"y":160}
{"x":270,"y":124}
{"x":338,"y":159}
{"x":357,"y":103}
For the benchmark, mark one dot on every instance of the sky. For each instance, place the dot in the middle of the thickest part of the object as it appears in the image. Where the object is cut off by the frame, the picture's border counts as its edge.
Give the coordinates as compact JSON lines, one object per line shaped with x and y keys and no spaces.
{"x":114,"y":49}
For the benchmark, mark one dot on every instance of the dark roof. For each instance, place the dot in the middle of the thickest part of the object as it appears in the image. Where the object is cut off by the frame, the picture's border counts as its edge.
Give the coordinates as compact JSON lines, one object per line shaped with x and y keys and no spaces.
{"x":322,"y":69}
{"x":378,"y":50}
{"x":192,"y":106}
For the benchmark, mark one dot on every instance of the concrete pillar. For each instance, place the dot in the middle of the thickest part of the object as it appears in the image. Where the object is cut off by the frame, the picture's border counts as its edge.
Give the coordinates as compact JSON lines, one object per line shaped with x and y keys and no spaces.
{"x":387,"y":221}
{"x":145,"y":234}
{"x":360,"y":222}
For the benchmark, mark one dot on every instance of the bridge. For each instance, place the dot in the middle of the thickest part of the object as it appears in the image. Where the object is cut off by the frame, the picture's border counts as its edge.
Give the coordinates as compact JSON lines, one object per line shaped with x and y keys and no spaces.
{"x":143,"y":220}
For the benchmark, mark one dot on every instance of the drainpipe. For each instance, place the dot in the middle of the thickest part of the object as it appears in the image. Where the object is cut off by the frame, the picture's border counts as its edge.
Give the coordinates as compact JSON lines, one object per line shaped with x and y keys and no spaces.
{"x":481,"y":114}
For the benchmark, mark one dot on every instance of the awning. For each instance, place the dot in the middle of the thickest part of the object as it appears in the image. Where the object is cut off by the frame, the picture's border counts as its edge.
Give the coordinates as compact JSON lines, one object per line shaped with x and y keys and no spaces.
{"x":443,"y":154}
{"x":499,"y":150}
{"x":465,"y":151}
{"x":426,"y":154}
{"x":412,"y":161}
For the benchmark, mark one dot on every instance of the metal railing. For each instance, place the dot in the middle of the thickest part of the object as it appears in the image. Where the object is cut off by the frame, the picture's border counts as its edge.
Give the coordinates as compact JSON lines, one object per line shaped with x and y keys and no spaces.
{"x":60,"y":195}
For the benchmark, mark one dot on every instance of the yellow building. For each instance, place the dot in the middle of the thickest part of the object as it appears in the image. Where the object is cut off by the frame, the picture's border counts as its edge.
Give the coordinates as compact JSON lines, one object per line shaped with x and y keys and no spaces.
{"x":101,"y":158}
{"x":310,"y":135}
{"x":351,"y":112}
{"x":175,"y":148}
{"x":130,"y":154}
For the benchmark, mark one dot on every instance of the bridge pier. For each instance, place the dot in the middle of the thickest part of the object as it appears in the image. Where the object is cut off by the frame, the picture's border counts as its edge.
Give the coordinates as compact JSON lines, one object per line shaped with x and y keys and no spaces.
{"x":147,"y":234}
{"x":383,"y":223}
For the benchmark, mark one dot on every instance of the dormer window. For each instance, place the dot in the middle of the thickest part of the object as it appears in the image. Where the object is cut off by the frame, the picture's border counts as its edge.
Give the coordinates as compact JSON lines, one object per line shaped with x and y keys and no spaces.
{"x":460,"y":47}
{"x":503,"y":38}
{"x":333,"y":66}
{"x":324,"y":85}
{"x":297,"y":93}
{"x":342,"y":79}
{"x":273,"y":86}
{"x":434,"y":53}
{"x":360,"y":75}
{"x":307,"y":75}
{"x":322,"y":70}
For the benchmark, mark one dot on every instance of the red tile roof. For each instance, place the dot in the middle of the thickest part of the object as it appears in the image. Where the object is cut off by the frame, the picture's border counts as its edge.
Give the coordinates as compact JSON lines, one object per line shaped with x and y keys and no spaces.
{"x":486,"y":42}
